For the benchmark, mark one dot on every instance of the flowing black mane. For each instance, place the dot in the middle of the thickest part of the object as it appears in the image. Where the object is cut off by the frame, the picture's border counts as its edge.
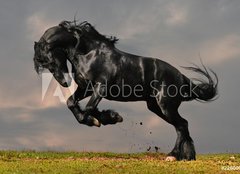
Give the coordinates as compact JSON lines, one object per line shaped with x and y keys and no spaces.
{"x":85,"y":27}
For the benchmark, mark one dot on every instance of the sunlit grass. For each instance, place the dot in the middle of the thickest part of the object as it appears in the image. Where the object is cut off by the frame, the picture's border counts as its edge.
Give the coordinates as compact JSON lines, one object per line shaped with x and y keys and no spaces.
{"x":89,"y":162}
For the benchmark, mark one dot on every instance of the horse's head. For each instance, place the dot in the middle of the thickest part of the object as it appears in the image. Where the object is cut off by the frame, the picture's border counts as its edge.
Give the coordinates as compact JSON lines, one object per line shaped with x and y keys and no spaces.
{"x":50,"y":53}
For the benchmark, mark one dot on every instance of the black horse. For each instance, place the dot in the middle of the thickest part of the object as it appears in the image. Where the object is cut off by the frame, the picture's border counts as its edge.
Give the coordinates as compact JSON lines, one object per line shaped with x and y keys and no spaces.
{"x":103,"y":71}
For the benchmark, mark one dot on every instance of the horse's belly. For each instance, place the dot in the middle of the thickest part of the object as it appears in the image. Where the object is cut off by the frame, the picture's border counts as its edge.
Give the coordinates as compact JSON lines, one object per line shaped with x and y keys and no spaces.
{"x":125,"y":99}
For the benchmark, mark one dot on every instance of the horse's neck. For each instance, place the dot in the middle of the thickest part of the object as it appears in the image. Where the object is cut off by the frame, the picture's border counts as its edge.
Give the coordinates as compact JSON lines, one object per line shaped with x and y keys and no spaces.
{"x":80,"y":61}
{"x":76,"y":56}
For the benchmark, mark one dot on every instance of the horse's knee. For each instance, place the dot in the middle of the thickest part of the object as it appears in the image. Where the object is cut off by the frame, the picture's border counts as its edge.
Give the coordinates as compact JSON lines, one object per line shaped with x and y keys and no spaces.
{"x":89,"y":108}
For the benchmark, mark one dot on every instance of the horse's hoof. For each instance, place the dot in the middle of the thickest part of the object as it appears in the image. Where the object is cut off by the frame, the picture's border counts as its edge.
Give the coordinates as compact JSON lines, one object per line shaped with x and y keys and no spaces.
{"x":96,"y":122}
{"x":119,"y":119}
{"x":171,"y":158}
{"x":115,"y":117}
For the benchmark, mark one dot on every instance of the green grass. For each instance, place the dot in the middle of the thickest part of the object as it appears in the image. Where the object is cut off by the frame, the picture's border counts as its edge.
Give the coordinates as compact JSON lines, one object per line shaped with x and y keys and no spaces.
{"x":89,"y":162}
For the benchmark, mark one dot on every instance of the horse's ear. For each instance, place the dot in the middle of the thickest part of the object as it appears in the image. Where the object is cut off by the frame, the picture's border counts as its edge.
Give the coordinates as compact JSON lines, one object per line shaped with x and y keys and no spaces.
{"x":65,"y":24}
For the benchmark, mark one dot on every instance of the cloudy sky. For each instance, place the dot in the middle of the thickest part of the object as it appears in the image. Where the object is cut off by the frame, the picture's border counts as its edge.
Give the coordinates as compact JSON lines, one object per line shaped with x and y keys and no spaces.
{"x":175,"y":31}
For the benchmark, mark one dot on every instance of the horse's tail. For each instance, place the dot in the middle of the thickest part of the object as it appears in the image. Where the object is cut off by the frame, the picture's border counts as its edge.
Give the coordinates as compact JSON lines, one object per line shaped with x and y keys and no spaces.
{"x":203,"y":90}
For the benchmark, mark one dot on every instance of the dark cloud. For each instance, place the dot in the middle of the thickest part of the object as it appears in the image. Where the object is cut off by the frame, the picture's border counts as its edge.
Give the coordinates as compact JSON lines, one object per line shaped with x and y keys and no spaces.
{"x":176,"y":31}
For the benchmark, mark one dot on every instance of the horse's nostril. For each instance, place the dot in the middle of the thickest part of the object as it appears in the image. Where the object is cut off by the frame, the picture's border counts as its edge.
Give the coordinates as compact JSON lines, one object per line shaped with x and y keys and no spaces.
{"x":68,"y":79}
{"x":65,"y":84}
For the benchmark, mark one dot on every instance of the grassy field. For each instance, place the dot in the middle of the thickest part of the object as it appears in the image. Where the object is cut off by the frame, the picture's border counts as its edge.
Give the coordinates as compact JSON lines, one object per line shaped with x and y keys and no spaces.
{"x":88,"y":162}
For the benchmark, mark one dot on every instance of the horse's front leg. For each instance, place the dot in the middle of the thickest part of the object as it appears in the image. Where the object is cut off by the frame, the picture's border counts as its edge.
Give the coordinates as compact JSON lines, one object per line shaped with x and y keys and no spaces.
{"x":106,"y":116}
{"x":96,"y":97}
{"x":77,"y":111}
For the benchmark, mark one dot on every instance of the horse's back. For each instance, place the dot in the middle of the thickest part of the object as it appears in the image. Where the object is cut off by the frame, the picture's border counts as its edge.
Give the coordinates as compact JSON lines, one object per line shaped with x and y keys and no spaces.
{"x":143,"y":72}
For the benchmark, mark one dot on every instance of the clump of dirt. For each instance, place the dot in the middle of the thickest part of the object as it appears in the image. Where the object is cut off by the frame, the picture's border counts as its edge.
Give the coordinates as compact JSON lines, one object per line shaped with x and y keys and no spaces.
{"x":141,"y":123}
{"x":156,"y":148}
{"x":149,"y":148}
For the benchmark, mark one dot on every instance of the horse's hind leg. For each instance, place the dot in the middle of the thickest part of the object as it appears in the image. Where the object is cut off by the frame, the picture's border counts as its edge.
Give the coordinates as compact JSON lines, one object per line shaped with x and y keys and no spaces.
{"x":184,"y":148}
